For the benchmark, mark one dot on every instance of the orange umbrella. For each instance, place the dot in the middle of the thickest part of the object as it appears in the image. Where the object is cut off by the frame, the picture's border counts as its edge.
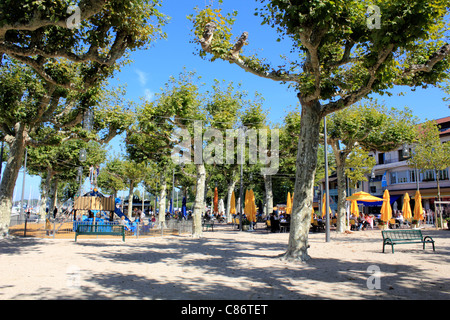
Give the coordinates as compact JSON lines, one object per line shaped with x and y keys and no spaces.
{"x":418,"y":209}
{"x":406,"y":208}
{"x":324,"y":204}
{"x":289,"y":204}
{"x":354,"y":208}
{"x":233,"y":204}
{"x":216,"y":201}
{"x":246,"y":203}
{"x":386,"y":210}
{"x":252,"y":206}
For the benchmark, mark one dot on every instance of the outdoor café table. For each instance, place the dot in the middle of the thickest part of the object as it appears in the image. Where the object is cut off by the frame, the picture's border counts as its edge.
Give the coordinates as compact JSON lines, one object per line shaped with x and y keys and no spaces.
{"x":284,"y":226}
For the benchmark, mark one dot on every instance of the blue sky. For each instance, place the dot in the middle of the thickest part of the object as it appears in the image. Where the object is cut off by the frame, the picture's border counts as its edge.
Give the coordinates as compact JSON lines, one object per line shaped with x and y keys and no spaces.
{"x":152,"y":68}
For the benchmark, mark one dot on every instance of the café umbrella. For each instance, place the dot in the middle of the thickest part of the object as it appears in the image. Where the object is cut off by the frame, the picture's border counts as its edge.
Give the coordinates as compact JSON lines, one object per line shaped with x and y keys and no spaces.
{"x":216,"y":201}
{"x":250,"y":205}
{"x":354,"y":208}
{"x":253,"y":205}
{"x":363,"y":196}
{"x":289,"y":204}
{"x":246,"y":203}
{"x":406,"y":208}
{"x":324,"y":205}
{"x":233,"y":204}
{"x":418,"y":209}
{"x":386,"y":210}
{"x":183,"y":207}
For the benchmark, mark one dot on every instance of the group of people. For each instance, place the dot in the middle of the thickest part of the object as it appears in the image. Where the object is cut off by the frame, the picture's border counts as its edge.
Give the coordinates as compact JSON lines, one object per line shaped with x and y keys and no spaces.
{"x":276,"y":220}
{"x":208,"y":216}
{"x":363,"y":221}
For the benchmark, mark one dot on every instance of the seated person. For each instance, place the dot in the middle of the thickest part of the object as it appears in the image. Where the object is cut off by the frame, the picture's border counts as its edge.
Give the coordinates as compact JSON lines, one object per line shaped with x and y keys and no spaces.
{"x":274,"y":222}
{"x":124,"y":223}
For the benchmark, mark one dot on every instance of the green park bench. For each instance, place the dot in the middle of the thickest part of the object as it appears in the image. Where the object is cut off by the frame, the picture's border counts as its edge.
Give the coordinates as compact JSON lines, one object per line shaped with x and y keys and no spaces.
{"x":101,"y":230}
{"x":393,"y":237}
{"x":208,"y":225}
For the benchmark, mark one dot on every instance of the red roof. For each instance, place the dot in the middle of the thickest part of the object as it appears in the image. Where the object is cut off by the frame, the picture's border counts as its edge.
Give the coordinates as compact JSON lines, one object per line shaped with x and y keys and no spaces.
{"x":444,"y":124}
{"x":443,"y":120}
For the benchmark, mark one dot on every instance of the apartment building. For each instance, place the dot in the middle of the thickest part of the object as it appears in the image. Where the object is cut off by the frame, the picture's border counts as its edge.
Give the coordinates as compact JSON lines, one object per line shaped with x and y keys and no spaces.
{"x":392,"y":172}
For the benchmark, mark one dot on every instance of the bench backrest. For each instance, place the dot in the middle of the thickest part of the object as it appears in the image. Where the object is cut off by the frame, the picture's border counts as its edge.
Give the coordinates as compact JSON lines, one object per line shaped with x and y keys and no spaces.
{"x":100,"y":228}
{"x":408,"y":234}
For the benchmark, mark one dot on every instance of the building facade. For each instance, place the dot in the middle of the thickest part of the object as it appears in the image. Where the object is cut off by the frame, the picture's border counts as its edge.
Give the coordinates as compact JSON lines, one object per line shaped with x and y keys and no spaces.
{"x":392,"y":167}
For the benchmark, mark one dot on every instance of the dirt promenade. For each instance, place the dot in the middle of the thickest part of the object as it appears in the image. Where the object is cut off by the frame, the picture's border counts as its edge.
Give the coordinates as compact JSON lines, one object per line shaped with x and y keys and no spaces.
{"x":225,"y":264}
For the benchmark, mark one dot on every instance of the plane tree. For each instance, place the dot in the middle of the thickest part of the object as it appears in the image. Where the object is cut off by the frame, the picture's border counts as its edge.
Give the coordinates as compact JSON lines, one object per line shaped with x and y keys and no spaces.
{"x":54,"y":64}
{"x":341,"y":52}
{"x":359,"y":129}
{"x":154,"y":137}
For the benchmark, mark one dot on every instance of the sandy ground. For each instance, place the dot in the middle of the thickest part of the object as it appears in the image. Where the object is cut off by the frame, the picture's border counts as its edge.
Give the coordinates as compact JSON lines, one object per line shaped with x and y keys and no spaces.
{"x":225,"y":264}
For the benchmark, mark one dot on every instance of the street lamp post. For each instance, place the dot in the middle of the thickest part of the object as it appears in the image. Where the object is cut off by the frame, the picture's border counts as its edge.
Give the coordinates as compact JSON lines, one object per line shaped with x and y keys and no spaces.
{"x":23,"y":182}
{"x":241,"y":192}
{"x":327,"y":187}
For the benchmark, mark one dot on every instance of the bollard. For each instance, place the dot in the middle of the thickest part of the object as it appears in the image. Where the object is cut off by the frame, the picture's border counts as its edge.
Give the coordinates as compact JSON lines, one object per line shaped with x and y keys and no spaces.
{"x":25,"y":229}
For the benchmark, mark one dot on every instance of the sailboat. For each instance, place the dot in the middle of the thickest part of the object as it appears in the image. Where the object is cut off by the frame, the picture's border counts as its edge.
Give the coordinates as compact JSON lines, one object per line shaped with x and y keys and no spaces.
{"x":15,"y":210}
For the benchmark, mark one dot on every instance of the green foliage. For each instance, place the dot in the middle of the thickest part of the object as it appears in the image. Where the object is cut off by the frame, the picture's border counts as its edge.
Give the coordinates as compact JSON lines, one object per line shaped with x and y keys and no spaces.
{"x":358,"y":165}
{"x":338,"y":54}
{"x":63,"y":160}
{"x":372,"y":126}
{"x":222,"y":40}
{"x":429,"y":152}
{"x":112,"y":177}
{"x":107,"y":31}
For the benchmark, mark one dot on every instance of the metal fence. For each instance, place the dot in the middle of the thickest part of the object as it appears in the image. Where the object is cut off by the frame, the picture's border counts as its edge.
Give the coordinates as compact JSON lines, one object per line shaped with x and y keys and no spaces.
{"x":64,"y":228}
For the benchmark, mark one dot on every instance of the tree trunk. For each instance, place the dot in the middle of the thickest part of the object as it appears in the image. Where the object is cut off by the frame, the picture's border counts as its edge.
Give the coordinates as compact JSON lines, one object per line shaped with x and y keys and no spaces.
{"x":269,"y":195}
{"x":10,"y":173}
{"x":53,"y":196}
{"x":341,"y":213}
{"x":342,"y":194}
{"x":199,"y":203}
{"x":304,"y":182}
{"x":162,"y":201}
{"x":44,"y":194}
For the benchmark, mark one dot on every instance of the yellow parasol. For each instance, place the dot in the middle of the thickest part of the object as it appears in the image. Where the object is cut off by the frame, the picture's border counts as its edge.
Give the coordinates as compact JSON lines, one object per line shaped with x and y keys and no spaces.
{"x":233,"y":204}
{"x":324,"y":205}
{"x":418,"y":210}
{"x":246,"y":203}
{"x":252,"y":206}
{"x":363,"y":196}
{"x":386,"y":210}
{"x":406,"y":208}
{"x":289,"y":204}
{"x":354,"y":208}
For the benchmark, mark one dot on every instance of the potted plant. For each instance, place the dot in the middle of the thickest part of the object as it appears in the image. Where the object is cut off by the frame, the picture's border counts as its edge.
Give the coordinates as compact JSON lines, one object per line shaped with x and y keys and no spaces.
{"x":245,"y":224}
{"x":415,"y":224}
{"x":382,"y":225}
